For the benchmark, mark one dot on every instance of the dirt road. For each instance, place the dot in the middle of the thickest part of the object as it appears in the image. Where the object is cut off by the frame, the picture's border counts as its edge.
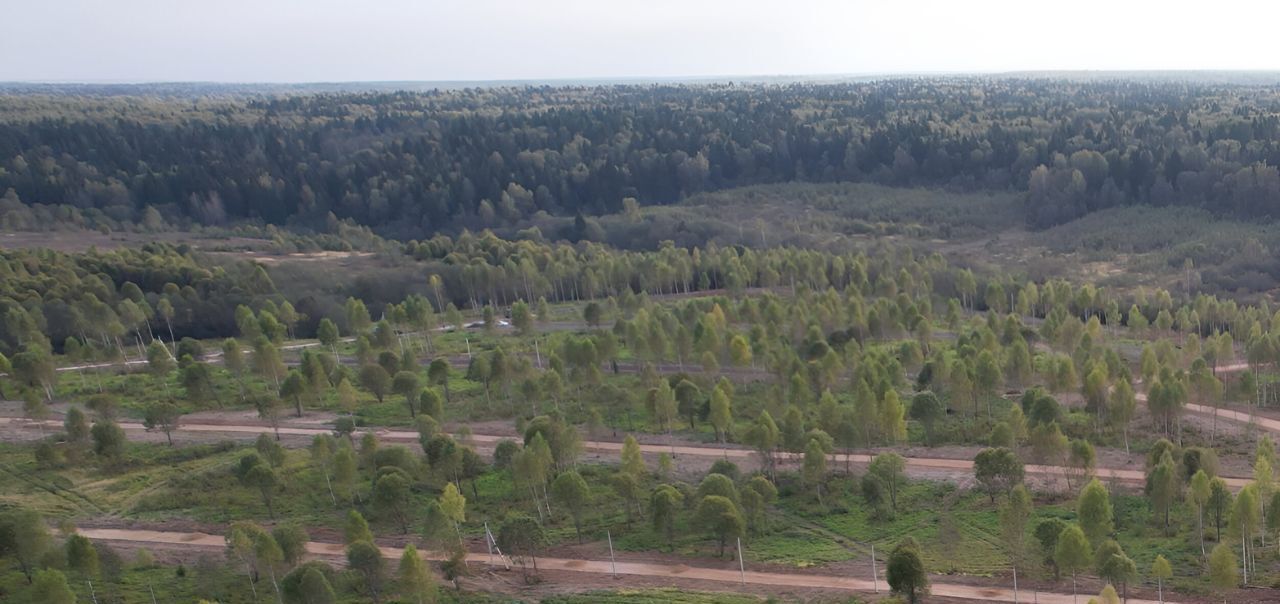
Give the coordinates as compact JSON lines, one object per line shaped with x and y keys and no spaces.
{"x":916,"y":466}
{"x":463,"y":361}
{"x":1265,"y":423}
{"x":647,"y":569}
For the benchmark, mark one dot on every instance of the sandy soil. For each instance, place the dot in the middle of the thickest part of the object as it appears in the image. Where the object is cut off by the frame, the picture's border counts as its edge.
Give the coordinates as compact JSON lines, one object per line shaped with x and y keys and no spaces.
{"x":328,"y":256}
{"x":462,"y":361}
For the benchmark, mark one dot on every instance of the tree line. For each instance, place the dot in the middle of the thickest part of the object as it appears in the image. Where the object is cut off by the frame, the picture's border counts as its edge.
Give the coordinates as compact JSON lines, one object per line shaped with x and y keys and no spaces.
{"x":411,"y":164}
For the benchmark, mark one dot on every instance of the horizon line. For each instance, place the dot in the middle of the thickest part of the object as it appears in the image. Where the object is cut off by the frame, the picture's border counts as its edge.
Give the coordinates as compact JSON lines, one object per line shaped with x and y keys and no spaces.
{"x":798,"y":77}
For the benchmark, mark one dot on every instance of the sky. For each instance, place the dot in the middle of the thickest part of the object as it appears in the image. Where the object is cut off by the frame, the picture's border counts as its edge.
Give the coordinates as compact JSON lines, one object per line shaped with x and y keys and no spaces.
{"x":445,"y":40}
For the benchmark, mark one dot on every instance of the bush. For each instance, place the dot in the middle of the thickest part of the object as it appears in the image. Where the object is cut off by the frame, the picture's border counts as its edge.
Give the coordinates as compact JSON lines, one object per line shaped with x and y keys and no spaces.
{"x":503,"y":453}
{"x":727,"y":468}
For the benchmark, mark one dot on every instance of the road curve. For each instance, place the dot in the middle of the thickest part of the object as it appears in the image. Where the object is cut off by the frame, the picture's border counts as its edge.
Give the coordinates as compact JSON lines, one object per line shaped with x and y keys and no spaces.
{"x":1265,"y":423}
{"x":603,"y":567}
{"x":916,"y":465}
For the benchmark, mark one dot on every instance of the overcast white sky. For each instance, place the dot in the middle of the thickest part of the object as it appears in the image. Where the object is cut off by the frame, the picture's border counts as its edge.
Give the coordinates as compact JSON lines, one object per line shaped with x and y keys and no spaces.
{"x":332,"y":40}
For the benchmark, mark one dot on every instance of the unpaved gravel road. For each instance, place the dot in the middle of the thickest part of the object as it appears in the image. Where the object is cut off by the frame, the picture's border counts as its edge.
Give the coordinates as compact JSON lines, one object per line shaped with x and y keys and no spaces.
{"x":604,"y":567}
{"x":1265,"y":423}
{"x":917,"y":466}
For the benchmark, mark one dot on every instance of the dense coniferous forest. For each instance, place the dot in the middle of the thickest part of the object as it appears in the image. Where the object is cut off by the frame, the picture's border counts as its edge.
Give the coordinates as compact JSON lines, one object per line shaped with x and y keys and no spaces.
{"x":411,"y":164}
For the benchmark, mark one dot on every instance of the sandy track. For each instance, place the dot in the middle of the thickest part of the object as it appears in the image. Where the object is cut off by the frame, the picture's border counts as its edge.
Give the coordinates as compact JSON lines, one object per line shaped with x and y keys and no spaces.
{"x":918,"y":466}
{"x":1268,"y":424}
{"x":1265,"y":423}
{"x":462,"y":361}
{"x":647,"y":569}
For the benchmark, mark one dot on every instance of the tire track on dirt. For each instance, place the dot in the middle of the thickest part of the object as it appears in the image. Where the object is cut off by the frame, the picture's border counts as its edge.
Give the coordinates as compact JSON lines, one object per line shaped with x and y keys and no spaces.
{"x":80,"y":502}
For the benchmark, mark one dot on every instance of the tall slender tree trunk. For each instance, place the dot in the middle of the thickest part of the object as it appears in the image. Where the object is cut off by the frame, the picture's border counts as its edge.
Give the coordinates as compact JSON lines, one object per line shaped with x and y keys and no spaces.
{"x":329,"y":484}
{"x":276,"y":585}
{"x":172,"y":341}
{"x":537,"y":505}
{"x":253,"y":588}
{"x":1244,"y":557}
{"x":1200,"y":530}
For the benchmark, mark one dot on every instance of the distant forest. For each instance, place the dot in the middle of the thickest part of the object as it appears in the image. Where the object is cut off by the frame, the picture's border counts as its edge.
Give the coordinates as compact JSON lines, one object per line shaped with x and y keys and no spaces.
{"x":413,"y":164}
